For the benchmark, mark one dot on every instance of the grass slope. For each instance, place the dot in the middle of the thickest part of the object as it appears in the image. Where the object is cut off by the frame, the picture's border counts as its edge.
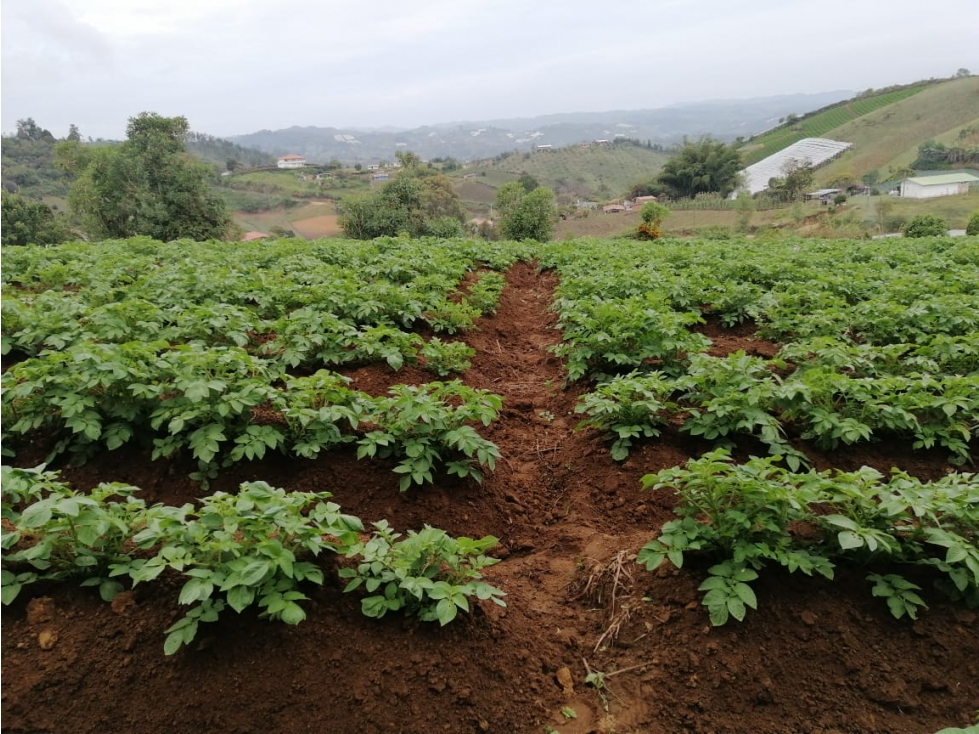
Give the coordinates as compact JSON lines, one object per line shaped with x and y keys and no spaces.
{"x":888,"y":139}
{"x":595,"y":172}
{"x":820,"y":124}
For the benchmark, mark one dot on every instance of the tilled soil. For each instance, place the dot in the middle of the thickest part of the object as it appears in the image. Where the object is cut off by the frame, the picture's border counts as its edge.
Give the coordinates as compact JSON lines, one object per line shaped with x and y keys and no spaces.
{"x":817,"y":656}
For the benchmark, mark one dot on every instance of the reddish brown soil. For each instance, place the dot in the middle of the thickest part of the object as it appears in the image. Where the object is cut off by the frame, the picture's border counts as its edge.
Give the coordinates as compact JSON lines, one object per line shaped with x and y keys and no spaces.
{"x":816,"y":657}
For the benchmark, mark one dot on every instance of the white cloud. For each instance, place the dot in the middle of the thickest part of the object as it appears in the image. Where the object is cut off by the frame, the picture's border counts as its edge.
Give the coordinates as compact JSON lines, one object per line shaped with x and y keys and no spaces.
{"x":235,"y":66}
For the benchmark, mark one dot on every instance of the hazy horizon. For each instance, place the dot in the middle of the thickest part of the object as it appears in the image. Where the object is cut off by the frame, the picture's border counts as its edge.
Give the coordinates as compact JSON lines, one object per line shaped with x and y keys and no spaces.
{"x":233,"y":67}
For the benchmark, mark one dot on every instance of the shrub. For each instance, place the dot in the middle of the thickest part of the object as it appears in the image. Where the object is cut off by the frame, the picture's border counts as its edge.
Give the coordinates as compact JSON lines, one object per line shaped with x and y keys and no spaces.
{"x":973,"y":227}
{"x":926,"y":225}
{"x":895,"y":223}
{"x":839,"y":199}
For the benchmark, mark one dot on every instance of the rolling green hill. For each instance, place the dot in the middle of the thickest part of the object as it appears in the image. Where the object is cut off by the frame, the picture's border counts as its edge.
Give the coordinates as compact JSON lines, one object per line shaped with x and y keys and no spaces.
{"x":887,"y":139}
{"x":886,"y":128}
{"x":819,"y":124}
{"x":597,"y":172}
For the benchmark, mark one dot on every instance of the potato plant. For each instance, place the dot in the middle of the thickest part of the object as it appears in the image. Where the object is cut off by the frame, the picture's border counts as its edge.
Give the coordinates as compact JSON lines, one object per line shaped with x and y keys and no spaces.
{"x":257,"y":548}
{"x":223,"y":406}
{"x":428,"y":574}
{"x":427,"y":426}
{"x":250,"y":548}
{"x":745,"y":516}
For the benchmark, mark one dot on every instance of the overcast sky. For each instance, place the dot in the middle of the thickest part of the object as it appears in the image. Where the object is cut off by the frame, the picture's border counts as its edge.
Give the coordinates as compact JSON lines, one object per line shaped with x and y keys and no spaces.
{"x":238,"y":66}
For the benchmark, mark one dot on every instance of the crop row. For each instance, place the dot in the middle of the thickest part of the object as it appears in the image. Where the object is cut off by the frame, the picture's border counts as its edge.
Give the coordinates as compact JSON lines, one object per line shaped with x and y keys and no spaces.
{"x":322,"y":305}
{"x":224,"y":405}
{"x":744,"y":518}
{"x":257,"y":548}
{"x":873,"y":292}
{"x":876,"y":341}
{"x":723,"y":397}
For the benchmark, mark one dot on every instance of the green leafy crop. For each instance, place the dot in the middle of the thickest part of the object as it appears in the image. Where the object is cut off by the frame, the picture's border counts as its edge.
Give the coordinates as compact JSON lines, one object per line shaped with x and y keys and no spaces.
{"x":428,"y":574}
{"x":755,"y":514}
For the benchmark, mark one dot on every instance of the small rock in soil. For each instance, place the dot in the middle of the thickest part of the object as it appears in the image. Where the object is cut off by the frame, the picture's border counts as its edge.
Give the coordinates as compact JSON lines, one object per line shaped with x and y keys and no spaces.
{"x":808,"y":618}
{"x":123,"y":602}
{"x":40,"y":610}
{"x":47,"y":639}
{"x":565,"y":680}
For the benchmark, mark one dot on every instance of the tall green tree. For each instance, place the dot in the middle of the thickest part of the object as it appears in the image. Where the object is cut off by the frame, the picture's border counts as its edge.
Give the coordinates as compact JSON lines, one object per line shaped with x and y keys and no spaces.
{"x":418,"y":202}
{"x":525,"y":216}
{"x":705,"y":166}
{"x":797,"y":176}
{"x":27,"y":222}
{"x":528,"y":181}
{"x":27,"y":129}
{"x":148,"y":185}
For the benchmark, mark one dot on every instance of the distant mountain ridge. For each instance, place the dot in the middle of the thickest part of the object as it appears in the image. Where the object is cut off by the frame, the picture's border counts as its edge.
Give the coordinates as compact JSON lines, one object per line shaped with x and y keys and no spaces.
{"x":471,"y":140}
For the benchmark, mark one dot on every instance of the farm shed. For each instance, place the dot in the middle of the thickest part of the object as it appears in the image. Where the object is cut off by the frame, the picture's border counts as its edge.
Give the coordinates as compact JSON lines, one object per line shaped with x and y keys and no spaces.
{"x":928,"y":187}
{"x":291,"y":161}
{"x":823,"y":195}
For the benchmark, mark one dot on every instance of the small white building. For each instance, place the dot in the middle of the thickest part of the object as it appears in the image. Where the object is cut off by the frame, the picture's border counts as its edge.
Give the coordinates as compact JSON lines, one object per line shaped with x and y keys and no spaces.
{"x":946,"y":184}
{"x":291,"y":161}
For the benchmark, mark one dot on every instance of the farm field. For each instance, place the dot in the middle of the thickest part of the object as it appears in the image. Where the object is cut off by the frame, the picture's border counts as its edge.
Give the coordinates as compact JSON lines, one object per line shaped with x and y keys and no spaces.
{"x":579,"y":402}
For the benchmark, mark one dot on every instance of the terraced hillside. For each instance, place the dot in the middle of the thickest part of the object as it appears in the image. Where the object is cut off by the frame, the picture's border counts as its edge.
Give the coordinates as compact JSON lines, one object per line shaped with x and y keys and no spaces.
{"x":821,"y":123}
{"x":885,"y":129}
{"x":887,"y":140}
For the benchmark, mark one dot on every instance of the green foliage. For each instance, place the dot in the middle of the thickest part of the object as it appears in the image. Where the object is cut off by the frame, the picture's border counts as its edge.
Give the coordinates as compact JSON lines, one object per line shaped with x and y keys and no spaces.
{"x":652,"y":215}
{"x":868,"y":352}
{"x":255,"y":548}
{"x":900,"y":594}
{"x":926,"y":225}
{"x":792,"y":184}
{"x":728,"y":594}
{"x":444,"y":358}
{"x":428,"y":574}
{"x":221,"y":406}
{"x":528,"y":182}
{"x":240,"y":550}
{"x":423,"y":428}
{"x":99,"y":380}
{"x":706,"y":165}
{"x":601,"y":336}
{"x":628,"y":407}
{"x":417,"y":202}
{"x":62,"y":533}
{"x":148,"y":185}
{"x":525,"y":215}
{"x":484,"y":294}
{"x":973,"y":227}
{"x":26,"y":222}
{"x":748,"y":516}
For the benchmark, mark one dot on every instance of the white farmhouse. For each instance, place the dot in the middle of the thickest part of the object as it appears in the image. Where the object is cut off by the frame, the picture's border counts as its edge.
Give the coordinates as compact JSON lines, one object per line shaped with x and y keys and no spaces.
{"x":946,"y":184}
{"x":291,"y":161}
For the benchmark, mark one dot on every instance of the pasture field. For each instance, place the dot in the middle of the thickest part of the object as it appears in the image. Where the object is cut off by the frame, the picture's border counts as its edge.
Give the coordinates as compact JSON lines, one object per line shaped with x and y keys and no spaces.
{"x":883,"y":140}
{"x":822,"y":123}
{"x":456,"y":485}
{"x":595,"y":171}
